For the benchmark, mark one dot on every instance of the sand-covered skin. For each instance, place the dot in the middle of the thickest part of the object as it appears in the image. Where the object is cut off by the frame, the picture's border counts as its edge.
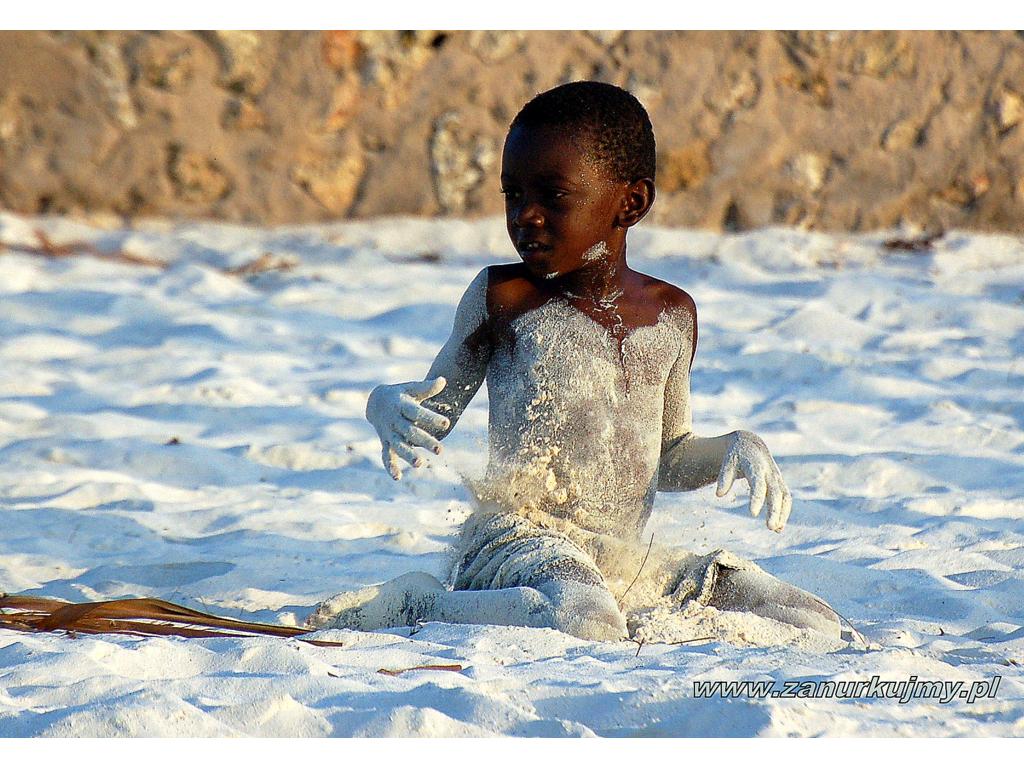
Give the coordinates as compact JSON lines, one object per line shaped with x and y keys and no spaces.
{"x":197,"y":436}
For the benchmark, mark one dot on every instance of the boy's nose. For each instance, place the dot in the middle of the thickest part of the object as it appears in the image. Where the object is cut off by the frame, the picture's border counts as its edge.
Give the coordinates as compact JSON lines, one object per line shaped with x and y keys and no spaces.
{"x":528,"y":214}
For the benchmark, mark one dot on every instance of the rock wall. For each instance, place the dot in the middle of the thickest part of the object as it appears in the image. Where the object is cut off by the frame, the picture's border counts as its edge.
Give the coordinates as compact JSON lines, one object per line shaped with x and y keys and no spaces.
{"x":828,"y":130}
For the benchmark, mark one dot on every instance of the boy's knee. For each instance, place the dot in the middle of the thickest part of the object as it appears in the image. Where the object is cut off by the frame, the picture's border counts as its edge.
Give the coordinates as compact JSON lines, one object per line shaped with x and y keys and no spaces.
{"x":400,"y":601}
{"x":583,"y":610}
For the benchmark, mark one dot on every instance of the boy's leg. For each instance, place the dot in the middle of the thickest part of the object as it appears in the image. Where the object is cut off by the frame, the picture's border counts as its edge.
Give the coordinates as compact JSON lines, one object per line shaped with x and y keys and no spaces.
{"x":583,"y":610}
{"x":509,"y":571}
{"x":722,"y":580}
{"x":768,"y":596}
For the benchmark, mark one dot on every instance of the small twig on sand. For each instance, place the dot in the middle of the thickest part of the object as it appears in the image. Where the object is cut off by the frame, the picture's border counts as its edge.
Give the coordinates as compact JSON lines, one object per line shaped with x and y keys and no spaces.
{"x":437,"y":667}
{"x":417,"y":626}
{"x":642,"y":564}
{"x":693,"y":640}
{"x":641,"y":642}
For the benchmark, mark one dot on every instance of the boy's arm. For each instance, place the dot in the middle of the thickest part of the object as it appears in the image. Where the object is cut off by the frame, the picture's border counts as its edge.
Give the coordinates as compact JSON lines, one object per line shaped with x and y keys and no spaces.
{"x":422,"y":413}
{"x":689,"y":462}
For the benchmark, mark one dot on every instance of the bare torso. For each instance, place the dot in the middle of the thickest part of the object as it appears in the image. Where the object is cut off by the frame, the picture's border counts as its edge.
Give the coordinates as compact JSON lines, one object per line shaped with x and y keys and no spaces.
{"x":583,"y":396}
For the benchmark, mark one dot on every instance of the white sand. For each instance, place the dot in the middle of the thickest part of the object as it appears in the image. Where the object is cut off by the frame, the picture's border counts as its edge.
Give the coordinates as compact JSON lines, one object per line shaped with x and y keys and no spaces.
{"x":888,"y":385}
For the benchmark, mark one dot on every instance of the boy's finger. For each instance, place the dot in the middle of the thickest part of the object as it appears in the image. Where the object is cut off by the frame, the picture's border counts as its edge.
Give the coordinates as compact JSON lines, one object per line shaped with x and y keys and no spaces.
{"x":411,"y":435}
{"x":776,"y":504}
{"x":390,"y":463}
{"x":758,"y":492}
{"x":406,"y":452}
{"x":726,"y":476}
{"x":424,"y":417}
{"x":421,"y":390}
{"x":785,"y":506}
{"x":424,"y":440}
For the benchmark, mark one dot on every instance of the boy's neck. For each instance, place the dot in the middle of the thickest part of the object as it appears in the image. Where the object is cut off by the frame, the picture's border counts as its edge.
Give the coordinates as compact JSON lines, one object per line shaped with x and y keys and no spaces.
{"x":603,"y":281}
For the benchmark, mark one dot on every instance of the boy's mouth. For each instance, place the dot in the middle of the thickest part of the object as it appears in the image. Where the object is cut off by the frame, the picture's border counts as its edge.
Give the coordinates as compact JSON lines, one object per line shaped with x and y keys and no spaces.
{"x":528,"y":248}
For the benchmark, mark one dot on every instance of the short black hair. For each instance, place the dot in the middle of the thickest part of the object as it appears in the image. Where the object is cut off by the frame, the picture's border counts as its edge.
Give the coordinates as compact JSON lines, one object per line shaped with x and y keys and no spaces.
{"x":611,"y":120}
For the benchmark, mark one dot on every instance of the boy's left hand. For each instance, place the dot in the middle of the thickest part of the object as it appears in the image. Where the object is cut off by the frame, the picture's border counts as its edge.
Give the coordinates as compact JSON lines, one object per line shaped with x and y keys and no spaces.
{"x":748,"y":456}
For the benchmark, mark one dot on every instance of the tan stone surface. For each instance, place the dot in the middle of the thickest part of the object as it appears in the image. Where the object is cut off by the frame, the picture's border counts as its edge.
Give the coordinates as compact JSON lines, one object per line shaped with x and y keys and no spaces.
{"x":828,"y":130}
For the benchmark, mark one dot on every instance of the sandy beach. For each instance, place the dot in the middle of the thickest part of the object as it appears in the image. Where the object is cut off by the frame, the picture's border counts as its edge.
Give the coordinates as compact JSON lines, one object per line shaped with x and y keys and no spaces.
{"x":181,"y":416}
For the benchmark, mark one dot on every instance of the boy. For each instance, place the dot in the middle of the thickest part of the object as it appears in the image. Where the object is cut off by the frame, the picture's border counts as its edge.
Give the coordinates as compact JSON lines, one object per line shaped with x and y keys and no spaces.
{"x":587,"y":365}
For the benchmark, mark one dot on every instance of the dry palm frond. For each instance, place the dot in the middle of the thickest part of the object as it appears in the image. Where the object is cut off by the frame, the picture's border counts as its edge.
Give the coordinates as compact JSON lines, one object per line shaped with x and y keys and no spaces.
{"x":142,"y":616}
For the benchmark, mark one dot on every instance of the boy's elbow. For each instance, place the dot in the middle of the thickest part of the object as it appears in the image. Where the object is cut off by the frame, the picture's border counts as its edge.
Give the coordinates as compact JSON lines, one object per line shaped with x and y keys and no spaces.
{"x":667,"y":476}
{"x":678,"y":469}
{"x":671,"y":482}
{"x":676,"y":482}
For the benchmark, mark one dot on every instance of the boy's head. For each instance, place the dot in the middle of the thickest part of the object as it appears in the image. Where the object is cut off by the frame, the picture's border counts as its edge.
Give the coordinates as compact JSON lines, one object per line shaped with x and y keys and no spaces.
{"x":606,"y":122}
{"x":577,"y":171}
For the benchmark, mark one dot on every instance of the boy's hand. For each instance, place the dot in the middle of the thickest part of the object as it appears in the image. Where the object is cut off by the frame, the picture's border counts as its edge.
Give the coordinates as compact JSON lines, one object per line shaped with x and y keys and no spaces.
{"x":748,"y":456}
{"x":401,"y":422}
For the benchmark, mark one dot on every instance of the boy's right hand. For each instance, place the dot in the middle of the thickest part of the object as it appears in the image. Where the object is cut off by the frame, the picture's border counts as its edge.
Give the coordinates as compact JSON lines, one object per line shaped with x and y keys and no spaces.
{"x":395,"y":411}
{"x":747,"y":456}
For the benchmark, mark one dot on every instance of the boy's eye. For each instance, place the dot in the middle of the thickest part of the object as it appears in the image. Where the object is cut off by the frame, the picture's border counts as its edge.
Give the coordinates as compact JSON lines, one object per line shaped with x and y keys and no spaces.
{"x":544,"y":196}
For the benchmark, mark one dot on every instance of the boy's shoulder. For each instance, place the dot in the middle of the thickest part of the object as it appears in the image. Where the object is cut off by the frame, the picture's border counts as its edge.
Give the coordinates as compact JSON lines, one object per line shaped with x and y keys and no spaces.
{"x":677,"y":306}
{"x":510,"y":291}
{"x":670,"y":298}
{"x":501,"y":274}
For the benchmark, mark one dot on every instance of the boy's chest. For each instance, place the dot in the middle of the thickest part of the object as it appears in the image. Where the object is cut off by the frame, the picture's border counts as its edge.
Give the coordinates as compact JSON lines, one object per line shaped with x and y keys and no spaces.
{"x":557,"y":344}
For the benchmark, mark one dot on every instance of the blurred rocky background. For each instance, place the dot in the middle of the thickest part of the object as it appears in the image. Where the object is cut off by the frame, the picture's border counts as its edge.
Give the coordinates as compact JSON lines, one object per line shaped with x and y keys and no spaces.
{"x":826,"y":130}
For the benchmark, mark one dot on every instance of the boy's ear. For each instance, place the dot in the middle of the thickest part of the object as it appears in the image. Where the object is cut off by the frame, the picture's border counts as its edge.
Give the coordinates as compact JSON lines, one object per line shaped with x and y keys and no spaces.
{"x":638,"y":200}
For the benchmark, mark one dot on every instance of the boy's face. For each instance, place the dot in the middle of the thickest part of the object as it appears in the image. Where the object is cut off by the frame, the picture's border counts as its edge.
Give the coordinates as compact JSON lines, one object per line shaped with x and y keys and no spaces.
{"x":559,"y":203}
